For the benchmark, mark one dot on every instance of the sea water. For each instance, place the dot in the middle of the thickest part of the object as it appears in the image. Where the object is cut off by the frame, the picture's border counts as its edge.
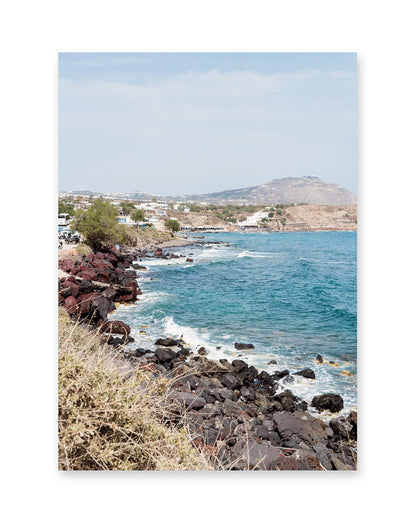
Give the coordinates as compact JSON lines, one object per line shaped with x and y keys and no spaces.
{"x":292,"y":295}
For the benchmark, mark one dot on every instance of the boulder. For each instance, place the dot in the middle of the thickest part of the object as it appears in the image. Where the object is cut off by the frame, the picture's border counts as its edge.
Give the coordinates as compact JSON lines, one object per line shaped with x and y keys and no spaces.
{"x":110,"y":293}
{"x":65,"y":292}
{"x":191,"y":401}
{"x":300,"y":426}
{"x":71,"y":304}
{"x":290,"y":402}
{"x":280,"y":375}
{"x":243,"y":346}
{"x":73,"y":287}
{"x":66,"y":264}
{"x":116,"y":327}
{"x":85,"y":286}
{"x":167,"y":342}
{"x":84,"y":303}
{"x":239,"y":365}
{"x":250,"y":454}
{"x":306,"y":373}
{"x":165,"y":355}
{"x":133,"y":286}
{"x":230,"y":381}
{"x":353,"y":420}
{"x":248,"y":393}
{"x":342,"y":427}
{"x":332,"y":402}
{"x":101,"y":306}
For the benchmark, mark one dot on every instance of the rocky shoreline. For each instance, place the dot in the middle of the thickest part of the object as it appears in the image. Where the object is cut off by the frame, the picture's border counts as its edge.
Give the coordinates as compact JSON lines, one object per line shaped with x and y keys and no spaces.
{"x":241,"y":416}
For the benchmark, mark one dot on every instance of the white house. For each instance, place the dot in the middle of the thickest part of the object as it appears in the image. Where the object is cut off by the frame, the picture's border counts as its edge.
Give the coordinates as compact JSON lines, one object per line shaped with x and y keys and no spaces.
{"x":125,"y":219}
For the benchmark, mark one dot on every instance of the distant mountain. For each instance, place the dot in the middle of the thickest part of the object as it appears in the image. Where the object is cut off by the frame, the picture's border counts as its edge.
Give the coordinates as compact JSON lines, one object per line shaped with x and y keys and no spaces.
{"x":290,"y":190}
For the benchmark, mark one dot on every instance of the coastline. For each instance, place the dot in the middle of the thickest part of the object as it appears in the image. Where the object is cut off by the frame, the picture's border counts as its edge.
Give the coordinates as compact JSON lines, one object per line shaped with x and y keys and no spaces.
{"x":230,"y":408}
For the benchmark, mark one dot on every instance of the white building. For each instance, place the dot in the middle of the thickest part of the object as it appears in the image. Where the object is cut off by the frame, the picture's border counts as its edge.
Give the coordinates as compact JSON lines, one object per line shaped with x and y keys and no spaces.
{"x":125,"y":219}
{"x":253,"y":221}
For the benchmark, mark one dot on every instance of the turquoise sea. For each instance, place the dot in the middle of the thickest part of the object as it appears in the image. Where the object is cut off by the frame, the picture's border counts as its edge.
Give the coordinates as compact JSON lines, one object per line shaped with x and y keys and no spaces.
{"x":292,"y":295}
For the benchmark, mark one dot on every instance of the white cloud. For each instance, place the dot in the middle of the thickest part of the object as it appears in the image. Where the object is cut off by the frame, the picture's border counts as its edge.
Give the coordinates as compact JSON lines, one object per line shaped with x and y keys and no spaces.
{"x":213,"y":122}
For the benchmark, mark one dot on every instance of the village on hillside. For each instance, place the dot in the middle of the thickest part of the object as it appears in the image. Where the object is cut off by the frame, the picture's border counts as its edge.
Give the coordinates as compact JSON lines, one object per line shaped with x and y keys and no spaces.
{"x":210,"y":218}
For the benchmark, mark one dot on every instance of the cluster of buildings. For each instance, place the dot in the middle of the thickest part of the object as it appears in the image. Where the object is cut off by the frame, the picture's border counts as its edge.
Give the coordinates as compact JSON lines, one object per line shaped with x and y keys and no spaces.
{"x":253,"y":221}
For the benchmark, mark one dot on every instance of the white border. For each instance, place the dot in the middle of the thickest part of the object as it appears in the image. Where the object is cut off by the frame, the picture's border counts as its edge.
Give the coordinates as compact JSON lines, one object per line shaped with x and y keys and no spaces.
{"x":32,"y":34}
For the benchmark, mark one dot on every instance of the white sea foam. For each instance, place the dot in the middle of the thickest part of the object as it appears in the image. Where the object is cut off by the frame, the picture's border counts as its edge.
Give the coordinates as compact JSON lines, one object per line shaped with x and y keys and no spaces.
{"x":253,"y":254}
{"x":151,"y":262}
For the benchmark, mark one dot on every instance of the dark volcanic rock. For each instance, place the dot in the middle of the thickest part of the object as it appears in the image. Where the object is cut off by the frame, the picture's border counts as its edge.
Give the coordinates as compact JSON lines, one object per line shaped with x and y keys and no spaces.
{"x":280,"y":375}
{"x":189,"y":400}
{"x":243,"y":346}
{"x":88,"y":275}
{"x":84,"y":303}
{"x":239,"y":365}
{"x":342,"y":427}
{"x":168,"y":342}
{"x":71,"y":304}
{"x":332,"y":402}
{"x":116,"y":327}
{"x":290,"y":402}
{"x":300,"y":426}
{"x":164,"y":354}
{"x":101,"y":306}
{"x":73,"y":287}
{"x":230,"y":381}
{"x":85,"y":286}
{"x":139,"y":352}
{"x":353,"y":420}
{"x":110,"y":293}
{"x":306,"y":372}
{"x":251,"y":454}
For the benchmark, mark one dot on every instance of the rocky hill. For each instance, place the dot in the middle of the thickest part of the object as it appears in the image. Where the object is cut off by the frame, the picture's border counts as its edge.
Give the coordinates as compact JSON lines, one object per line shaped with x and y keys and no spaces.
{"x":290,"y":190}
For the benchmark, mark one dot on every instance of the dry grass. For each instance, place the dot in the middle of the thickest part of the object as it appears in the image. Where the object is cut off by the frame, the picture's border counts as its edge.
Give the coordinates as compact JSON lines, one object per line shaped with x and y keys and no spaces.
{"x":113,"y":418}
{"x":140,"y":237}
{"x":83,"y":249}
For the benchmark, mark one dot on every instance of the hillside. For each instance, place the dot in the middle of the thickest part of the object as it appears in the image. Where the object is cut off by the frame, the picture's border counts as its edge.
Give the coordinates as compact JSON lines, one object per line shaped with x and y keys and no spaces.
{"x":303,"y":217}
{"x":290,"y":190}
{"x":318,"y":218}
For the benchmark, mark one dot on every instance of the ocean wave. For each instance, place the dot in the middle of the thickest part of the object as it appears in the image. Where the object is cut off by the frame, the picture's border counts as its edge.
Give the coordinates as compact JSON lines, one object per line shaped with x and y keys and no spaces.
{"x":253,"y":254}
{"x":192,"y":336}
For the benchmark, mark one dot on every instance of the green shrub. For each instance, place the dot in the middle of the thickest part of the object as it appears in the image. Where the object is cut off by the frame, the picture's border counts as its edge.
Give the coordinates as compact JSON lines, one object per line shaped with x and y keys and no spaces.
{"x":172,"y":225}
{"x":99,"y":225}
{"x":66,"y":208}
{"x":138,"y":215}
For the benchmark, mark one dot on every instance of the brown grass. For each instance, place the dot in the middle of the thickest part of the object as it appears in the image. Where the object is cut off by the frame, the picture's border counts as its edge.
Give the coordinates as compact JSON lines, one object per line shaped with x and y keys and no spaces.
{"x":112,"y":417}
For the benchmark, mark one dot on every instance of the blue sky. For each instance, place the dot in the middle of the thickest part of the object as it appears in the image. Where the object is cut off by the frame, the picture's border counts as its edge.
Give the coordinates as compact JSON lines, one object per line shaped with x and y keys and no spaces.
{"x":193,"y":122}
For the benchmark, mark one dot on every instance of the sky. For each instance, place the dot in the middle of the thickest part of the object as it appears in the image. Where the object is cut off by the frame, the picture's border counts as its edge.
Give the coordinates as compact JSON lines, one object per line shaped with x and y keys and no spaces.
{"x":176,"y":123}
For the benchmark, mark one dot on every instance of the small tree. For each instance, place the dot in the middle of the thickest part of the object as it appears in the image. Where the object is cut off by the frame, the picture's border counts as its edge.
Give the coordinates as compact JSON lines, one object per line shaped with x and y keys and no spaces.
{"x":138,"y":216}
{"x":64,"y":207}
{"x":126,"y":207}
{"x":99,"y":225}
{"x":271,"y":214}
{"x":172,"y":225}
